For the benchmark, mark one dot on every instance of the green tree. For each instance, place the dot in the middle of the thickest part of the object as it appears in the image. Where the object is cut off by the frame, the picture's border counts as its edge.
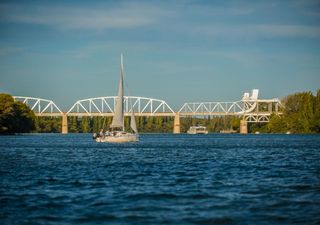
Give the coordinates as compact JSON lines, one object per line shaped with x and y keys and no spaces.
{"x":73,"y":124}
{"x":85,"y":124}
{"x":48,"y":124}
{"x":277,"y":124}
{"x":300,"y":114}
{"x":316,"y":115}
{"x":235,"y":123}
{"x":15,"y":117}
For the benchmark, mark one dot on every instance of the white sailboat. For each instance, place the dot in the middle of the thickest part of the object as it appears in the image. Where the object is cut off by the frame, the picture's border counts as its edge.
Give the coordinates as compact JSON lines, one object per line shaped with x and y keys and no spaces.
{"x":116,"y":131}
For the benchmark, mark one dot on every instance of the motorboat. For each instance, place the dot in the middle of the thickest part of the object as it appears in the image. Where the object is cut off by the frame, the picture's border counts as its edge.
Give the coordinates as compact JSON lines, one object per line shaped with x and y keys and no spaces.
{"x":197,"y":130}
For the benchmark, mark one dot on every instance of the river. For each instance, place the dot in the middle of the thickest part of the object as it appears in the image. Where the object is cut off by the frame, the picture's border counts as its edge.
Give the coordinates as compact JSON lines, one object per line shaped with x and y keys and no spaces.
{"x":163,"y":179}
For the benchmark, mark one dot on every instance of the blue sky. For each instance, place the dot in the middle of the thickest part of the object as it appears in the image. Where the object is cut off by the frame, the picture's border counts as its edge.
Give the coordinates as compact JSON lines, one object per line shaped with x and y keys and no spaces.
{"x":178,"y":51}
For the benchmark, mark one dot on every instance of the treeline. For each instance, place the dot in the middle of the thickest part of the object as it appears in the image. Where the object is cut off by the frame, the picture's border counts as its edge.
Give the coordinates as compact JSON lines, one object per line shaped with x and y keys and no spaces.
{"x":94,"y":124}
{"x":144,"y":124}
{"x":301,"y":114}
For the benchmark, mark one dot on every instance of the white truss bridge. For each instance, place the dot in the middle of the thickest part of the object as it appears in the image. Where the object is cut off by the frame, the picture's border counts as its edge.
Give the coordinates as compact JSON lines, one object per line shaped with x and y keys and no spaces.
{"x":250,"y":108}
{"x":99,"y":106}
{"x":104,"y":106}
{"x":253,"y":110}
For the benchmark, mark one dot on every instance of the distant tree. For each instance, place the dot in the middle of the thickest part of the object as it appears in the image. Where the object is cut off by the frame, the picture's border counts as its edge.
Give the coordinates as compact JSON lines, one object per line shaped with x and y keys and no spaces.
{"x":235,"y":123}
{"x":277,"y":124}
{"x":15,"y":117}
{"x":97,"y":123}
{"x":85,"y":124}
{"x":301,"y":114}
{"x":316,"y":115}
{"x":48,"y":124}
{"x":73,"y":124}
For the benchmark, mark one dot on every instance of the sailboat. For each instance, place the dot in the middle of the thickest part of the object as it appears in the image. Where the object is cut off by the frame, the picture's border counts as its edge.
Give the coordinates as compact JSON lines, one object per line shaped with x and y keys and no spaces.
{"x":116,"y":132}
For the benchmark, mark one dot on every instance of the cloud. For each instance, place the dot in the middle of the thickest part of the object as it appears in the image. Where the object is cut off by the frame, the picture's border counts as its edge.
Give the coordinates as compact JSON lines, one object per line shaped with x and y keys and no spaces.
{"x":217,"y":20}
{"x":259,"y":31}
{"x":287,"y":30}
{"x":100,"y":18}
{"x":5,"y":51}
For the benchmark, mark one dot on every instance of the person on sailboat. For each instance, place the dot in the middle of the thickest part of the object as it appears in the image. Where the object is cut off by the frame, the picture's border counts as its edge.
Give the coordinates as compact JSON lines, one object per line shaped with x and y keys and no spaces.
{"x":101,"y":133}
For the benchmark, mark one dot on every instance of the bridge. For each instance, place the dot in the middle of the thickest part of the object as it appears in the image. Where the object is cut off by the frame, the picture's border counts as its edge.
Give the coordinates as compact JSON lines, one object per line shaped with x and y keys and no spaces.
{"x":249,"y":108}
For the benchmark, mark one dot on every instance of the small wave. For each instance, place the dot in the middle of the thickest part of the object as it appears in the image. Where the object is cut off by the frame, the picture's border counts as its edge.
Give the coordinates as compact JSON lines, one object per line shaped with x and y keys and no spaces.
{"x":301,"y":187}
{"x":154,"y":196}
{"x":78,"y":183}
{"x":132,"y":218}
{"x":47,"y":218}
{"x":100,"y":203}
{"x":185,"y":180}
{"x":216,"y":220}
{"x":92,"y":218}
{"x":200,"y":196}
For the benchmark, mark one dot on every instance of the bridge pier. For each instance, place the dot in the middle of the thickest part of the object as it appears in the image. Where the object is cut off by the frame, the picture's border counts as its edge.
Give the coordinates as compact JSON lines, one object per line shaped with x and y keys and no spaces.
{"x":243,"y":126}
{"x":64,"y":125}
{"x":176,"y":123}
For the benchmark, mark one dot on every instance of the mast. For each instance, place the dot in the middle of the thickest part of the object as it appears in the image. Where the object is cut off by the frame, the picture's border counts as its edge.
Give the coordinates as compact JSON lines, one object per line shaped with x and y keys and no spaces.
{"x":118,"y":119}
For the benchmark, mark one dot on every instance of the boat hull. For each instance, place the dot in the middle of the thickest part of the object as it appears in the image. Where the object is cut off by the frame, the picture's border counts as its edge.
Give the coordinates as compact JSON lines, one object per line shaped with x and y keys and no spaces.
{"x":122,"y":138}
{"x":197,"y":132}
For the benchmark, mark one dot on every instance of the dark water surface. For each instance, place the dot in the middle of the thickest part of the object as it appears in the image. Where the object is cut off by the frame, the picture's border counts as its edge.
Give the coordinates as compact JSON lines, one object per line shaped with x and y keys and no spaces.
{"x":163,"y":179}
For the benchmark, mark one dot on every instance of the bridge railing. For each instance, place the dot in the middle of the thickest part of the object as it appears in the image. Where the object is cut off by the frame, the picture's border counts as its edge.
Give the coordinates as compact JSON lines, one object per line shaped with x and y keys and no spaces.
{"x":39,"y":106}
{"x":106,"y":105}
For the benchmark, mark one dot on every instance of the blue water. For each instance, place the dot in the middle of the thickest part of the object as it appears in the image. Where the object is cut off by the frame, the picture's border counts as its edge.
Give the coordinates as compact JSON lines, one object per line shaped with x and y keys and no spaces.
{"x":163,"y":179}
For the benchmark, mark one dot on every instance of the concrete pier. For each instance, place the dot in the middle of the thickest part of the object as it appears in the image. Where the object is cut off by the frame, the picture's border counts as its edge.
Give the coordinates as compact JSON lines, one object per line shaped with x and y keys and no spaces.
{"x":243,"y":126}
{"x":176,"y":124}
{"x":64,"y":125}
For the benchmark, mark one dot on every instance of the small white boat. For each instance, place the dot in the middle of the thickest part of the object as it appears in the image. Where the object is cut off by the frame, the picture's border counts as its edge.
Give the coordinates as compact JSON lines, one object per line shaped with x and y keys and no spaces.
{"x":116,"y":132}
{"x":197,"y":130}
{"x":228,"y":131}
{"x":117,"y":137}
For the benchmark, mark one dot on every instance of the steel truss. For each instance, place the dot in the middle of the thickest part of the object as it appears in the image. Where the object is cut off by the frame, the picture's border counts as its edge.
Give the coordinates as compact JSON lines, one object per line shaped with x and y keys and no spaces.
{"x":257,"y":118}
{"x":105,"y":105}
{"x":39,"y":106}
{"x":214,"y":108}
{"x":254,"y":111}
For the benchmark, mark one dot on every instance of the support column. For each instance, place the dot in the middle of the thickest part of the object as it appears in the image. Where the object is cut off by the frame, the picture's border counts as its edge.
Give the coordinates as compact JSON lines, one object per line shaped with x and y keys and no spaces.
{"x":64,"y":125}
{"x":176,"y":124}
{"x":243,"y":126}
{"x":270,"y":107}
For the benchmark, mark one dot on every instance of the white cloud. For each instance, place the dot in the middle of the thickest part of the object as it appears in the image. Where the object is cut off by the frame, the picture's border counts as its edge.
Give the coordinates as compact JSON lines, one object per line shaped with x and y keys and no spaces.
{"x":166,"y":17}
{"x":99,"y":18}
{"x":286,"y":30}
{"x":258,"y":31}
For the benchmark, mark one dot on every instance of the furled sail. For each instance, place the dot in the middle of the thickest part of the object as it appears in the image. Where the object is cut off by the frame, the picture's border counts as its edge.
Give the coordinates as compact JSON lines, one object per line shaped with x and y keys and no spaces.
{"x":118,"y":120}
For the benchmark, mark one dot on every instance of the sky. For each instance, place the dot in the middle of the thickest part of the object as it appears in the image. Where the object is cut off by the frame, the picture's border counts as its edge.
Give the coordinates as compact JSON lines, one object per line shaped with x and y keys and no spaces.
{"x":178,"y":51}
